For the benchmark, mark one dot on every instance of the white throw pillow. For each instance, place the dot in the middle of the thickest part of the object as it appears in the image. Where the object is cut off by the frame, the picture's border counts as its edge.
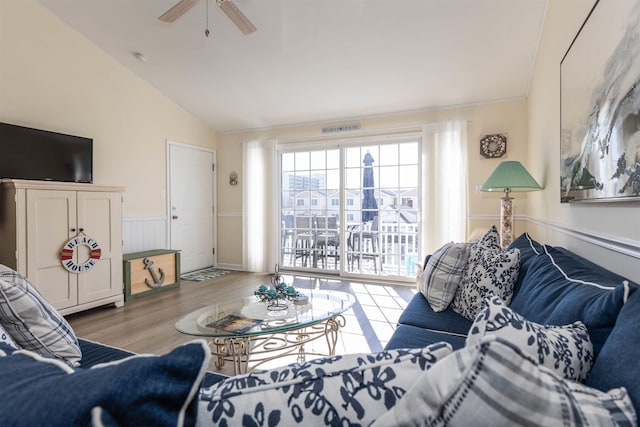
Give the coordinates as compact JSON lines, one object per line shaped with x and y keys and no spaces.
{"x":442,"y":274}
{"x":496,"y":384}
{"x":352,"y":389}
{"x":488,"y":272}
{"x":565,"y":350}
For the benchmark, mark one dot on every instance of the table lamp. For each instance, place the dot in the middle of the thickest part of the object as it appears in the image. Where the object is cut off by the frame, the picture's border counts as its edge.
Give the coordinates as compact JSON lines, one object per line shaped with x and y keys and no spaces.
{"x":509,"y":176}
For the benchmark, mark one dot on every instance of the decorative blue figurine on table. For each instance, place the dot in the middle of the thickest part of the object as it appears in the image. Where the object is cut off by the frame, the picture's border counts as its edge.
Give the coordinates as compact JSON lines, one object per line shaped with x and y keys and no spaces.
{"x":276,"y":294}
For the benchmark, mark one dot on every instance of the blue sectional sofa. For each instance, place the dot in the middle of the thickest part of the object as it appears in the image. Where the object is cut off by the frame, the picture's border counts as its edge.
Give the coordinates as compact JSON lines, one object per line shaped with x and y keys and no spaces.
{"x":555,"y":287}
{"x":439,"y":368}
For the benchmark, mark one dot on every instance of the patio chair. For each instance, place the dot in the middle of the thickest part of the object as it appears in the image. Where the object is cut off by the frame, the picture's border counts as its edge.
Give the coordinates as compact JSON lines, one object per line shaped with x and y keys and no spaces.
{"x":328,"y":239}
{"x":304,"y":238}
{"x":287,"y":234}
{"x":364,"y":243}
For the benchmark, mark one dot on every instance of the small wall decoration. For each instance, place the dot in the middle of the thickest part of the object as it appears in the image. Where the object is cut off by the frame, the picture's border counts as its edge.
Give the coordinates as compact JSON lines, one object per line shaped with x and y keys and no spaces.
{"x":233,"y":178}
{"x":493,"y":146}
{"x":66,"y":255}
{"x":599,"y":106}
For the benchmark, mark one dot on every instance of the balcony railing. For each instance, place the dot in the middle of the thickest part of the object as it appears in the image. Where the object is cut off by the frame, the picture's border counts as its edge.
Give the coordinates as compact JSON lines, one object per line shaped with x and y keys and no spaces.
{"x":392,"y":250}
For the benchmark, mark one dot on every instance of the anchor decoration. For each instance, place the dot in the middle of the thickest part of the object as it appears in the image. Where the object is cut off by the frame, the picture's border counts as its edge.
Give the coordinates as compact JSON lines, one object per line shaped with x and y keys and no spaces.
{"x":157,"y":282}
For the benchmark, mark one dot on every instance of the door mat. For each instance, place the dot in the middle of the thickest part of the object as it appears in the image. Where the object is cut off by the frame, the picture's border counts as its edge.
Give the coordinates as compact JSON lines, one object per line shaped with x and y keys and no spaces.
{"x":204,"y":274}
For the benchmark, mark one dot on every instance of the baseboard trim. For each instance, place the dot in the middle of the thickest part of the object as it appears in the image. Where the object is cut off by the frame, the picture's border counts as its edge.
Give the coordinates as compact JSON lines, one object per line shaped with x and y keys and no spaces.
{"x":229,"y":214}
{"x":226,"y":266}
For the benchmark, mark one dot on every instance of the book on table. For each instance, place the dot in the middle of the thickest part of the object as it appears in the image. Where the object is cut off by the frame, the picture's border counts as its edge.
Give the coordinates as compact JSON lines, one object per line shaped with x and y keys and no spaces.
{"x":234,"y":323}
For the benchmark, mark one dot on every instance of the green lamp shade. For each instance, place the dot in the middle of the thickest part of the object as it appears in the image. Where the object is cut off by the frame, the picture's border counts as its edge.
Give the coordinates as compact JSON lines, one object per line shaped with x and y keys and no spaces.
{"x":510,"y":176}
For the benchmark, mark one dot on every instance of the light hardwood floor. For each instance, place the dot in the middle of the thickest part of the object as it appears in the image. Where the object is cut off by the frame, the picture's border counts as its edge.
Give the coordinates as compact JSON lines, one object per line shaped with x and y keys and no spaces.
{"x":146,"y":325}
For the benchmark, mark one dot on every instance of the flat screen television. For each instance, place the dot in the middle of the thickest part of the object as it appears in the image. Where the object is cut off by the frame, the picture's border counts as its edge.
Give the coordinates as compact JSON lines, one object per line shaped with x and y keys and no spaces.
{"x":27,"y":153}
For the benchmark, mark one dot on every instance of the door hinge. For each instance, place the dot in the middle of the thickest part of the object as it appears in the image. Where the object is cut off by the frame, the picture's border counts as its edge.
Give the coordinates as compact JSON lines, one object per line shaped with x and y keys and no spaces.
{"x":213,"y":168}
{"x":213,"y":251}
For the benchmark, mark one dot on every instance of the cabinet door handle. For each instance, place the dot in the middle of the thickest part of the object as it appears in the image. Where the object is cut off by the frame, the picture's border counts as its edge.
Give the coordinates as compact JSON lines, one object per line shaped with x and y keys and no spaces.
{"x":174,"y":217}
{"x":81,"y":230}
{"x":73,"y":230}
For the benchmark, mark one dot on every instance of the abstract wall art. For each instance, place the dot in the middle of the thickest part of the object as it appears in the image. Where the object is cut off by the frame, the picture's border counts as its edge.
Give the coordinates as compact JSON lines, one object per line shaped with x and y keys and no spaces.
{"x":600,"y":106}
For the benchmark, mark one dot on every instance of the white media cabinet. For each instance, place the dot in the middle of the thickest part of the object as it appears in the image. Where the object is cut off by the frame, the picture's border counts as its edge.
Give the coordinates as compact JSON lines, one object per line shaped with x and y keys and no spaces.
{"x":37,"y":220}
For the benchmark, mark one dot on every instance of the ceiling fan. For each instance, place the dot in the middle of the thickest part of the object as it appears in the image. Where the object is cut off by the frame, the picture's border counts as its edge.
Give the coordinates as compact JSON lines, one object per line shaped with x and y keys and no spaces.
{"x":227,"y":6}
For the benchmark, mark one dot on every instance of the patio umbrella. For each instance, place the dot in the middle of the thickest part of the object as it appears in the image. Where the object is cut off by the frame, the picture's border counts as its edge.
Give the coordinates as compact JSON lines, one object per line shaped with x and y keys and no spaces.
{"x":369,"y":204}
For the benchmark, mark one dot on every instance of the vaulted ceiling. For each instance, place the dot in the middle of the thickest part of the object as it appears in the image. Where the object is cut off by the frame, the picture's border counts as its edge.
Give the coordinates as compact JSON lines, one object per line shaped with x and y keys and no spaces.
{"x":318,"y":60}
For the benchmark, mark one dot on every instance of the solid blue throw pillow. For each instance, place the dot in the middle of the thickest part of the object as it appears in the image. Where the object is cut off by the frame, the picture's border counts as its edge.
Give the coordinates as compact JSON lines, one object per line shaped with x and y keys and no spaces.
{"x":529,"y":250}
{"x":140,"y":390}
{"x":561,"y":288}
{"x":616,"y":366}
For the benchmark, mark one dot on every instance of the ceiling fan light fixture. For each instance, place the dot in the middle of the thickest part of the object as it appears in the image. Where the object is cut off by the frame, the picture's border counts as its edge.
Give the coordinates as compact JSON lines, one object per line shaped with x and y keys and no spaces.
{"x":140,"y":56}
{"x":238,"y":18}
{"x":178,"y":10}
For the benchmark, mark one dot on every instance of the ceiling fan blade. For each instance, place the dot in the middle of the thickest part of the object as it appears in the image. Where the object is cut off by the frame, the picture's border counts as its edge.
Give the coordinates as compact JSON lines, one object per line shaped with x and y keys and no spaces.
{"x":238,"y":18}
{"x":177,"y":10}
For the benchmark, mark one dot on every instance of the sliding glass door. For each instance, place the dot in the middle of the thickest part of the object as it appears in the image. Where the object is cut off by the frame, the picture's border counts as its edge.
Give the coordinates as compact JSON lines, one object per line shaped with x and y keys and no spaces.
{"x":310,"y":209}
{"x":381,"y":209}
{"x":351,"y":209}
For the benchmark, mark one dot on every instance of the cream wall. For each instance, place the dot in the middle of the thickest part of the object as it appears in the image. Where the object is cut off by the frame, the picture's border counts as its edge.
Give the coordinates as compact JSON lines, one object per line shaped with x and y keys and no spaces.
{"x":509,"y":118}
{"x":606,"y":233}
{"x":52,"y":78}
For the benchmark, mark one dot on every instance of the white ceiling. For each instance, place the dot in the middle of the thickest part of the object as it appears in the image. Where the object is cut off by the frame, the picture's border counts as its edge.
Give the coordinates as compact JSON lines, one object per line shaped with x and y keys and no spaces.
{"x":319,"y":60}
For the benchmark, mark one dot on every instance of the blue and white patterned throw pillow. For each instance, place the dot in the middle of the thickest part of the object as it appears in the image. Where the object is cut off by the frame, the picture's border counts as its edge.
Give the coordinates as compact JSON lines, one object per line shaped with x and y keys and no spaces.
{"x":352,"y":389}
{"x":565,"y":350}
{"x":497,"y":384}
{"x":488,"y":272}
{"x":442,"y":274}
{"x":32,"y":322}
{"x":6,"y":338}
{"x":490,"y":240}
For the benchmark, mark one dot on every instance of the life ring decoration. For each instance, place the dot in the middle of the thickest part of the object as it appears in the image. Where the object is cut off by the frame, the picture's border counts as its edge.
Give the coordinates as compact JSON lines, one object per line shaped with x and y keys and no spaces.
{"x":66,"y":255}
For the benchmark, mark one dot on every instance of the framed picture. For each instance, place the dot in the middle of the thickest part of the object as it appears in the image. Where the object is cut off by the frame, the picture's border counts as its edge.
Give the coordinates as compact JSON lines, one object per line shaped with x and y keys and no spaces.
{"x":600,"y":106}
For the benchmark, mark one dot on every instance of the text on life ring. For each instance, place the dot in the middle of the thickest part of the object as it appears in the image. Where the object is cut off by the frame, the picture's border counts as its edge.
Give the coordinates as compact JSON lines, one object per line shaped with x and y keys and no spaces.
{"x":66,"y":255}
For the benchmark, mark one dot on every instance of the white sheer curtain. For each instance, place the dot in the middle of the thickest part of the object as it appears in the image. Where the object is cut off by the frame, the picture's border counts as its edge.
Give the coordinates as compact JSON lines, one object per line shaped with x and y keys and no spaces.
{"x":444,"y":184}
{"x":259,"y":205}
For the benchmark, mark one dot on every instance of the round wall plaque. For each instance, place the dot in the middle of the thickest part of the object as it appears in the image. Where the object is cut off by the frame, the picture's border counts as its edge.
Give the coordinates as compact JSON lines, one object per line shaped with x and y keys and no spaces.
{"x":493,"y":146}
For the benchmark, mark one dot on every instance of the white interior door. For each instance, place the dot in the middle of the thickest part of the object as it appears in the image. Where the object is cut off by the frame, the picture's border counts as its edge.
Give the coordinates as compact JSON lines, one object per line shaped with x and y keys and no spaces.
{"x":191,"y":208}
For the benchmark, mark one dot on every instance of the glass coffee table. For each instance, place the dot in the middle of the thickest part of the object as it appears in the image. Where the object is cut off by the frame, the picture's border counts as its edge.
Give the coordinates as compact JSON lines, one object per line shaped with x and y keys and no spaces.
{"x":247,"y":330}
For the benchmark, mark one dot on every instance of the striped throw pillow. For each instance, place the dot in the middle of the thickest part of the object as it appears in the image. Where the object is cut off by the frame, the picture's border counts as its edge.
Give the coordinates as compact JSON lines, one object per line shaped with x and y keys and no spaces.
{"x":442,"y":275}
{"x":496,"y":384}
{"x":32,"y":322}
